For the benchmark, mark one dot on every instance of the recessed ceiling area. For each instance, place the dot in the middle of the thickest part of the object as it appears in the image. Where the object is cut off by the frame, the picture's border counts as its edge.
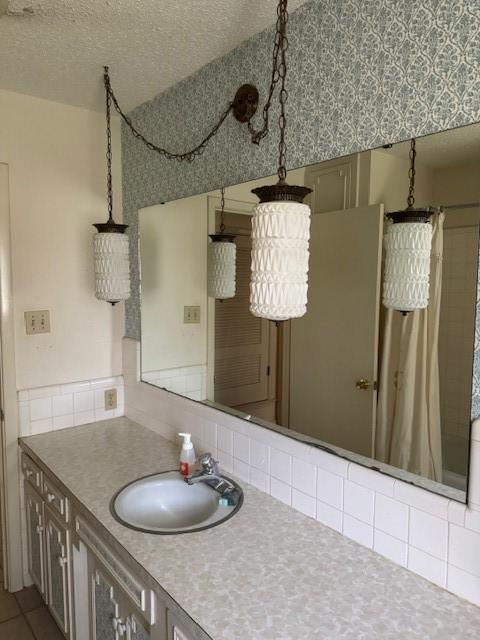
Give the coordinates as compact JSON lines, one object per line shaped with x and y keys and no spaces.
{"x":56,"y":49}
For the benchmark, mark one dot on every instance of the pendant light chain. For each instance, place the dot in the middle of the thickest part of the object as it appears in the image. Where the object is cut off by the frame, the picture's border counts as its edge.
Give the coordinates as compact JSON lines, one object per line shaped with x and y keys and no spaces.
{"x":411,"y":174}
{"x":222,"y":209}
{"x":282,"y":72}
{"x":109,"y":156}
{"x":187,"y":156}
{"x":282,"y":16}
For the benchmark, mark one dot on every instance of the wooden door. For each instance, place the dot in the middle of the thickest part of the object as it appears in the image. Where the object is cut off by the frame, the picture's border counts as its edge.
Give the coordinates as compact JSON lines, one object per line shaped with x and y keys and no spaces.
{"x":244,"y":346}
{"x":336,"y":343}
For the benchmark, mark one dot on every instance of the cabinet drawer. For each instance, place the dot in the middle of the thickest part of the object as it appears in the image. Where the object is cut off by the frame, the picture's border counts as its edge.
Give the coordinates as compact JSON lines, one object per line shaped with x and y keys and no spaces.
{"x":32,"y":473}
{"x":55,"y":499}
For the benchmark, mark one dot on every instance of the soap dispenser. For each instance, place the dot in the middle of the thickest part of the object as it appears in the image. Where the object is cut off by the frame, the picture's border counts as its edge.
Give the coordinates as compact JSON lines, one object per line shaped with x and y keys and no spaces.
{"x":187,"y":454}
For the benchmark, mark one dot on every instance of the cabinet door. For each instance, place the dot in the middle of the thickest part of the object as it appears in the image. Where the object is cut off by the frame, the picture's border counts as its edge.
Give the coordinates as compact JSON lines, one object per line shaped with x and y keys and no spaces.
{"x":58,"y":573}
{"x":35,"y":538}
{"x":113,"y":615}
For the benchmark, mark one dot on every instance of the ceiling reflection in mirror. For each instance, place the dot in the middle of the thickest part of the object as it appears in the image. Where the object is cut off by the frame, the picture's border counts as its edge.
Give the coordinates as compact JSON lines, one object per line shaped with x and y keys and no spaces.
{"x":386,"y":389}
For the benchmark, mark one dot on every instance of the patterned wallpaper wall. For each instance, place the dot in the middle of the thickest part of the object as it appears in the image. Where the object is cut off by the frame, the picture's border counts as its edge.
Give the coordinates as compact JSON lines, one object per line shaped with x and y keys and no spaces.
{"x":361,"y":73}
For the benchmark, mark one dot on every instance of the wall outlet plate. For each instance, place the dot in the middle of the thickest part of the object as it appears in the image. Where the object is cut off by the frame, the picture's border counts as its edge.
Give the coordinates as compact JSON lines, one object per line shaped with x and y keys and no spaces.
{"x":191,"y":315}
{"x":37,"y":322}
{"x":110,"y":399}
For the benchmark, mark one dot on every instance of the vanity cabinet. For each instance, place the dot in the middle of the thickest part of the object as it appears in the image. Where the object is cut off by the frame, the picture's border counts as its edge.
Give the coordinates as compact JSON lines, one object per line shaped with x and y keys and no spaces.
{"x":91,"y":591}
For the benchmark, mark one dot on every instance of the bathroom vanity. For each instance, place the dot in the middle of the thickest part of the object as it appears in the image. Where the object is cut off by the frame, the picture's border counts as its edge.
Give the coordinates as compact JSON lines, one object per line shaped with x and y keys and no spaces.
{"x":267,"y":573}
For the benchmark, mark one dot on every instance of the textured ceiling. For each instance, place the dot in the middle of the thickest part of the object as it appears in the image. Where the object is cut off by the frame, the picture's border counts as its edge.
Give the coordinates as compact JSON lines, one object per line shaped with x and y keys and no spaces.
{"x":56,"y":49}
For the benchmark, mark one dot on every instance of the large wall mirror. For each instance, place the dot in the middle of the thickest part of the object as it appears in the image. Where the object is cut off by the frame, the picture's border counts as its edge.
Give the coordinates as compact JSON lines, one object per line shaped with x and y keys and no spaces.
{"x":387,"y":390}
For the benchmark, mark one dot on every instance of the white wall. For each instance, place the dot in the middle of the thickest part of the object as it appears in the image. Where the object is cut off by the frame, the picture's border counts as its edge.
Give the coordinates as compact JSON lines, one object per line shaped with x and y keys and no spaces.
{"x":389,"y":181}
{"x":56,"y":158}
{"x":173,"y":248}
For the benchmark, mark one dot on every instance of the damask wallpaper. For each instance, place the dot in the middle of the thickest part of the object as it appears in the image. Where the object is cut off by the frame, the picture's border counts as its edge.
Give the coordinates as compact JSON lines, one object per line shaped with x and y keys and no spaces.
{"x":361,"y":73}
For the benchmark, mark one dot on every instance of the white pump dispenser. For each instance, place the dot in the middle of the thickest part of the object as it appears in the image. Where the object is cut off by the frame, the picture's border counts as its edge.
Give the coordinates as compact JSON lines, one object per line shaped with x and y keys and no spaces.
{"x":187,"y":454}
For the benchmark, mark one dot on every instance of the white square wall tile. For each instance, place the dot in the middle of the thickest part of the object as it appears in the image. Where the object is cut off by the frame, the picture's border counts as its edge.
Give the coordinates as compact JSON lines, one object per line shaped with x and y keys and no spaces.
{"x":304,"y":477}
{"x":41,"y":426}
{"x":371,"y":479}
{"x":427,"y":566}
{"x":464,"y":549}
{"x":241,"y":470}
{"x":472,"y":520}
{"x":474,"y":478}
{"x":241,"y":447}
{"x":456,"y":512}
{"x":63,"y":404}
{"x":358,"y":501}
{"x":329,"y":516}
{"x":390,"y":547}
{"x":304,"y":503}
{"x":330,"y":462}
{"x":260,"y":480}
{"x":63,"y":422}
{"x":40,"y":408}
{"x":463,"y":584}
{"x":260,"y":455}
{"x":391,"y":516}
{"x":83,"y":401}
{"x":358,"y":531}
{"x":424,"y":500}
{"x":428,"y":533}
{"x":210,"y":433}
{"x":225,"y":439}
{"x":281,"y":466}
{"x":84,"y":417}
{"x":281,"y":491}
{"x":43,"y":392}
{"x":330,"y":488}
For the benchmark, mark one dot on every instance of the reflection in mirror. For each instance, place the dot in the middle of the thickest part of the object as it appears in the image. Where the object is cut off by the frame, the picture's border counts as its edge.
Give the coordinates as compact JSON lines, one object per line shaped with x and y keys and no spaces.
{"x":385,"y":389}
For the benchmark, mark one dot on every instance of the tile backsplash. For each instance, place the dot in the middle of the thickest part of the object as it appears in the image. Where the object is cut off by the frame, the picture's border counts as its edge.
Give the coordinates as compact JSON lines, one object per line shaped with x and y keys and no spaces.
{"x":189,"y":381}
{"x":437,"y":538}
{"x":67,"y":405}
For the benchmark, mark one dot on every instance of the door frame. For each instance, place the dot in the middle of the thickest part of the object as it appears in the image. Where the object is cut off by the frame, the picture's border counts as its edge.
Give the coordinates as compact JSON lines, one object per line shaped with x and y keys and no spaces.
{"x":10,"y":486}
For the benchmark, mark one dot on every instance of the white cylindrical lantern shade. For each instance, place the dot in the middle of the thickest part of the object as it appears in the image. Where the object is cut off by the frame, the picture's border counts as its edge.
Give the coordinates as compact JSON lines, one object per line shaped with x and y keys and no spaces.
{"x":406,"y":280}
{"x":112,"y":268}
{"x":279,"y":280}
{"x":222,"y":257}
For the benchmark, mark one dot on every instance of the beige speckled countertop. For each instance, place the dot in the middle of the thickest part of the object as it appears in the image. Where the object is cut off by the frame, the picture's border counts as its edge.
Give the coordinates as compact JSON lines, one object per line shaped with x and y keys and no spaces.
{"x":268,"y":573}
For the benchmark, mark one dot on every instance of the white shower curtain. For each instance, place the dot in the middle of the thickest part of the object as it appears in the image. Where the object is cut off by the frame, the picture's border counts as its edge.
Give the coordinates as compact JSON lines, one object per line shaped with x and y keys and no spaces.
{"x":408,"y":432}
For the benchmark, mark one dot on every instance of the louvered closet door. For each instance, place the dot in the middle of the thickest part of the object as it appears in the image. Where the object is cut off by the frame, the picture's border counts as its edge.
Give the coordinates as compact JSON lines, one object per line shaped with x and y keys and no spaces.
{"x":241,"y":339}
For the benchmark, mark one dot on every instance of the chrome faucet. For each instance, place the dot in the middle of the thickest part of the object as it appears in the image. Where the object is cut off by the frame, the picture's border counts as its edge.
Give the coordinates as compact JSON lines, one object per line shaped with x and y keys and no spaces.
{"x":210,"y":474}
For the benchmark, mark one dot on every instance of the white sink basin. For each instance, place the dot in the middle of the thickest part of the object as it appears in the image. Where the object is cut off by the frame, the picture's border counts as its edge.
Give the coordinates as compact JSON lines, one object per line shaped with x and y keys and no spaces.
{"x":165,"y":503}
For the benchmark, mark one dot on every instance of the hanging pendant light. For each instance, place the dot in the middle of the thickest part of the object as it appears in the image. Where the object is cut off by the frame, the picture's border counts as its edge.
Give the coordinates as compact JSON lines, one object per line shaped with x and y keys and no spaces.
{"x":281,"y":222}
{"x":110,"y":244}
{"x":222,"y":253}
{"x":408,"y":244}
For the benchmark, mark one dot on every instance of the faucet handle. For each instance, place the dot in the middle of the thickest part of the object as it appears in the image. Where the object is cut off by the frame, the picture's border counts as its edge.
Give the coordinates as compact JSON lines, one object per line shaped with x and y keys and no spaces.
{"x":208,"y":463}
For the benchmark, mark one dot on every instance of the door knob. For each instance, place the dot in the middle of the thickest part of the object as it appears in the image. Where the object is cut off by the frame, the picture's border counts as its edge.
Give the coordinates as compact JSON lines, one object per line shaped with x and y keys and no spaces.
{"x":363,"y":383}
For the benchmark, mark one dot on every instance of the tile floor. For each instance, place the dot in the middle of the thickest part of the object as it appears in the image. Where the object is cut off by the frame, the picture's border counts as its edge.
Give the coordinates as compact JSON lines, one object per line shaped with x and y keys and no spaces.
{"x":24,"y":616}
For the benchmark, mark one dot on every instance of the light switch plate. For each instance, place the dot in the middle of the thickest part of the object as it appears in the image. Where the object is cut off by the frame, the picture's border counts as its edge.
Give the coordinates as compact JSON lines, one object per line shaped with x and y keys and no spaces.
{"x":191,"y":315}
{"x":37,"y":322}
{"x":110,"y":399}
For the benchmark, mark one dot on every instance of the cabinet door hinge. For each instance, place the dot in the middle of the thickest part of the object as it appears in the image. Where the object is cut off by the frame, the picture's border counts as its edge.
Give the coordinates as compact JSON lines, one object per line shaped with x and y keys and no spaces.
{"x":268,"y":370}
